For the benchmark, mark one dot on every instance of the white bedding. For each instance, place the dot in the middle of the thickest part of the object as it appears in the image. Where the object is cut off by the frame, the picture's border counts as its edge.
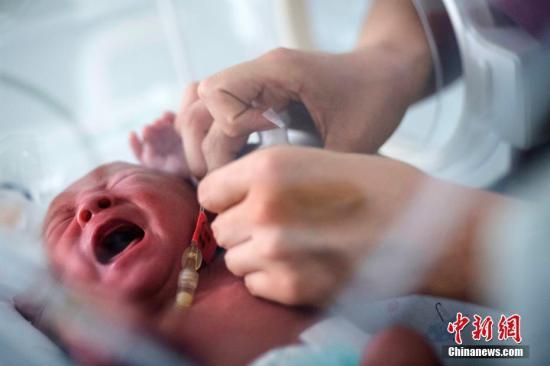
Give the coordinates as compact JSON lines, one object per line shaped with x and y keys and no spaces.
{"x":20,"y":342}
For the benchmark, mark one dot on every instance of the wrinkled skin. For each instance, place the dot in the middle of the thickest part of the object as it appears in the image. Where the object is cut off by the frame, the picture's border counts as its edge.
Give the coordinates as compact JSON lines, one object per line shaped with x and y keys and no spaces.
{"x":163,"y":206}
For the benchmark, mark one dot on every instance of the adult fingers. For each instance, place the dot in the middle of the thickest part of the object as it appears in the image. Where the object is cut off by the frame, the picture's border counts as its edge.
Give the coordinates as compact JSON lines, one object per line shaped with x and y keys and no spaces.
{"x":277,"y":283}
{"x":234,"y":116}
{"x":242,"y":259}
{"x":238,"y":96}
{"x":232,"y":227}
{"x":218,"y":148}
{"x":226,"y":186}
{"x":258,"y":250}
{"x":293,"y":283}
{"x":190,"y":95}
{"x":196,"y":122}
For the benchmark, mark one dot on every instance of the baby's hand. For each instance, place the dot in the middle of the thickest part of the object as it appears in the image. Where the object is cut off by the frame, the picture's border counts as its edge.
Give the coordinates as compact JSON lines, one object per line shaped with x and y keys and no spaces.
{"x":161,"y":146}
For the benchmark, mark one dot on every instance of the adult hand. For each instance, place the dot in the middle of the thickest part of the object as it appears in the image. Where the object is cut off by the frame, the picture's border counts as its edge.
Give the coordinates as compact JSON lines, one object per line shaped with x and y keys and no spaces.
{"x":296,"y":222}
{"x":355,"y":100}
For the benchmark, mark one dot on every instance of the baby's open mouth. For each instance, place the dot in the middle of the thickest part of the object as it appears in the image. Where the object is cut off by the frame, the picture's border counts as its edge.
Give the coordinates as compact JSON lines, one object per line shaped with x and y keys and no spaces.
{"x":114,"y":237}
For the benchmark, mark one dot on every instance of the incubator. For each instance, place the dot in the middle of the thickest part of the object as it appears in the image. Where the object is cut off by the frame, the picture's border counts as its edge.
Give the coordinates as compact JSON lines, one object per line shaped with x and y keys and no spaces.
{"x":76,"y":76}
{"x":471,"y":129}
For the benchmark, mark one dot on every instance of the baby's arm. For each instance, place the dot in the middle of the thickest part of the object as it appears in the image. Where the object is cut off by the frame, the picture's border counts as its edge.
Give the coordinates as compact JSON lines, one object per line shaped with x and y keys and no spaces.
{"x":160,"y":146}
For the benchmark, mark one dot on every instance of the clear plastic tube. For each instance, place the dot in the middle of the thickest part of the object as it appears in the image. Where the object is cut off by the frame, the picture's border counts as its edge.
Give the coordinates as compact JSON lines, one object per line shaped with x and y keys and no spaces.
{"x":188,"y":278}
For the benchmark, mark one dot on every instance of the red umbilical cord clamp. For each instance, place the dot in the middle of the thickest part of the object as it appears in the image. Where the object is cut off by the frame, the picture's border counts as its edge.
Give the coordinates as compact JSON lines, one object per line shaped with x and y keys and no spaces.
{"x":203,"y":238}
{"x":202,"y":249}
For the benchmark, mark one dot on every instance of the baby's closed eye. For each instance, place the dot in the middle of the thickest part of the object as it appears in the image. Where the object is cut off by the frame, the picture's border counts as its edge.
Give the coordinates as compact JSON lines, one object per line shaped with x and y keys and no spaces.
{"x":59,"y":216}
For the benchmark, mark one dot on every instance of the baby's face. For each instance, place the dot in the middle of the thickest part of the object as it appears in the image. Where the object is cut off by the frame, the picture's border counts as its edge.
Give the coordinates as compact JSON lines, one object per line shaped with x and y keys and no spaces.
{"x":121,"y":229}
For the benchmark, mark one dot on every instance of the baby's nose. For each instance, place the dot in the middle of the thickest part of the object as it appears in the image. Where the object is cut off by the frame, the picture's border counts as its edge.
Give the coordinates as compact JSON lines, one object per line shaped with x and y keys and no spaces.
{"x":91,"y":206}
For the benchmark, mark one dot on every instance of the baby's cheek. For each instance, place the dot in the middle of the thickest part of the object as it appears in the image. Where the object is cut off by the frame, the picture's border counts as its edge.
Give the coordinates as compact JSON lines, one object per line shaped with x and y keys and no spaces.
{"x":180,"y":215}
{"x":76,"y":271}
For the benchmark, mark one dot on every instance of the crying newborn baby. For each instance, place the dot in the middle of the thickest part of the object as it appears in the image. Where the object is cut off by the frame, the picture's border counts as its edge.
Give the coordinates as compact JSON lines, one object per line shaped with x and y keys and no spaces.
{"x":121,"y":231}
{"x":124,"y":228}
